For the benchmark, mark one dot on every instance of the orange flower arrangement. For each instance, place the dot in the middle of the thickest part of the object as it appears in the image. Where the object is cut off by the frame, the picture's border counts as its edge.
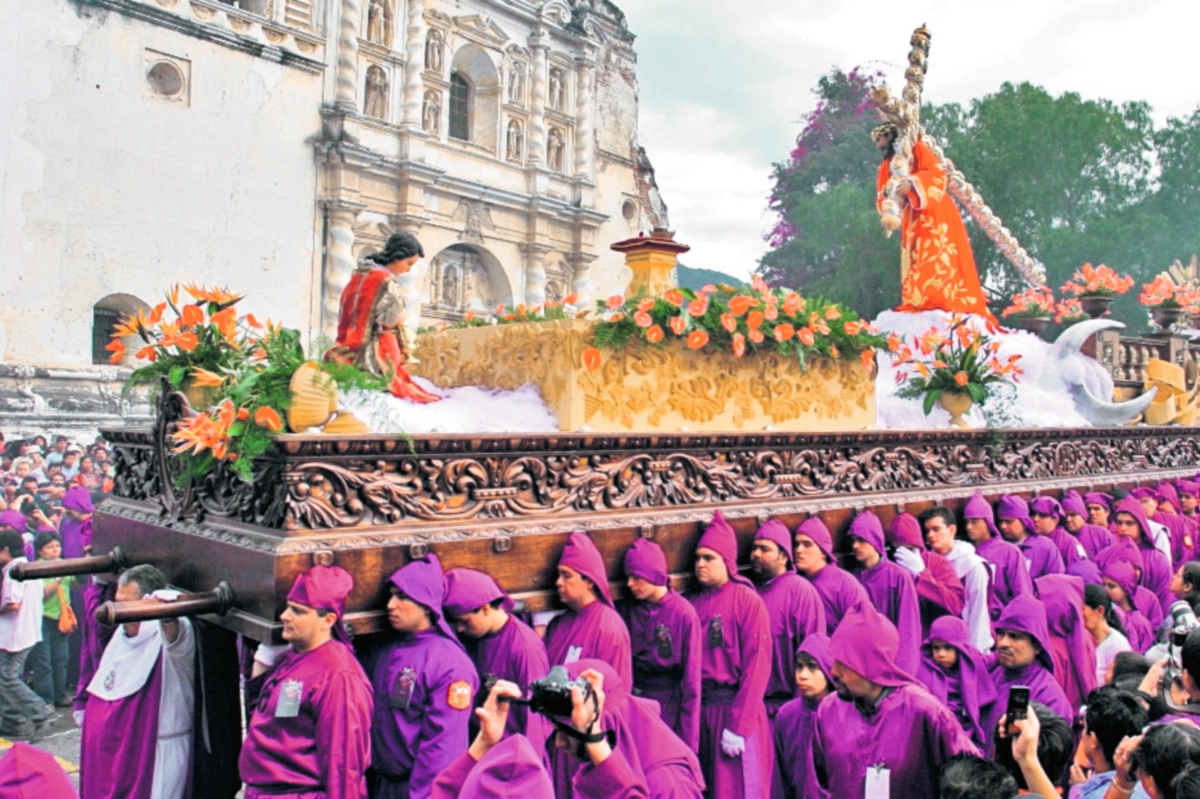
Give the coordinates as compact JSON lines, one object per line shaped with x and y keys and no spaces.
{"x":1160,"y":293}
{"x":958,"y":360}
{"x":1069,"y":311}
{"x":1031,"y":303}
{"x":1092,"y":281}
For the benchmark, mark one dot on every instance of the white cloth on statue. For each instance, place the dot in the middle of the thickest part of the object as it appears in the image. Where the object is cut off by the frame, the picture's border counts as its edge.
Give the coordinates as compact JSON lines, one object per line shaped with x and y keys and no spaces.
{"x":125,"y":667}
{"x":973,"y":572}
{"x":22,"y":628}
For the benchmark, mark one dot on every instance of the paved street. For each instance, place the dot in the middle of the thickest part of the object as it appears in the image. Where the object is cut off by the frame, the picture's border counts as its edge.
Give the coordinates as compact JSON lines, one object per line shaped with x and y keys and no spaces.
{"x":63,"y":743}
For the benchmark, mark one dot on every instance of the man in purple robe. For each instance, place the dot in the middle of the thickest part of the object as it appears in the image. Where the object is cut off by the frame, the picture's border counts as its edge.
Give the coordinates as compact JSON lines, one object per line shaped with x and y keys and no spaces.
{"x":1183,"y":529}
{"x":76,"y":532}
{"x":1048,"y":518}
{"x":1132,"y":525}
{"x":502,"y":646}
{"x":424,"y":686}
{"x":1075,"y":515}
{"x":1189,"y":498}
{"x":309,"y":734}
{"x":890,"y":587}
{"x":591,"y":627}
{"x":1072,"y":647}
{"x":1099,"y":506}
{"x":665,"y":635}
{"x":795,"y":776}
{"x":1041,"y":556}
{"x":76,"y":526}
{"x":1160,"y":534}
{"x":940,"y":592}
{"x":1023,"y":657}
{"x":794,"y":606}
{"x":955,"y":672}
{"x":882,"y":726}
{"x":137,"y":731}
{"x":735,"y":735}
{"x":940,"y":530}
{"x":1010,"y":575}
{"x":839,"y":590}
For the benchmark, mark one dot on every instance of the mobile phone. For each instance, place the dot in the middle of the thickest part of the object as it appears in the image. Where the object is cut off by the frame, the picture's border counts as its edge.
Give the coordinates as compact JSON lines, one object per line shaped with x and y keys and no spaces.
{"x":1018,"y":705}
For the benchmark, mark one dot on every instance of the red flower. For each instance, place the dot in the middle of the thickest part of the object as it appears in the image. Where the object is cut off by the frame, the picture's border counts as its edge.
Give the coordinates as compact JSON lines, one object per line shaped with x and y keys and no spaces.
{"x":960,"y":378}
{"x":852,"y":328}
{"x":755,"y":335}
{"x":268,"y":418}
{"x":697,"y":339}
{"x":678,"y":325}
{"x":646,"y":305}
{"x":806,"y":336}
{"x":698,"y":307}
{"x":591,"y":359}
{"x":674,"y":297}
{"x":614,"y":302}
{"x":741,"y":303}
{"x":187,"y":341}
{"x":642,"y":318}
{"x":654,"y":334}
{"x":784,"y":332}
{"x":755,"y":319}
{"x":192,"y":315}
{"x":867,"y":357}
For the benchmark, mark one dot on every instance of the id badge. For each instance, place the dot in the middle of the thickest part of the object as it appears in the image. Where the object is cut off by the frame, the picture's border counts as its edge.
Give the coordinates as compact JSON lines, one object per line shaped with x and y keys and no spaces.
{"x":574,"y":653}
{"x":878,"y":782}
{"x":290,"y":694}
{"x":402,"y":689}
{"x":662,"y":639}
{"x":716,"y":632}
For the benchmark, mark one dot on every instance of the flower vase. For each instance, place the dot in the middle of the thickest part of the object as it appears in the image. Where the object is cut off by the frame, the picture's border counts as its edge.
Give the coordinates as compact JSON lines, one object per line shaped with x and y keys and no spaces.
{"x":957,"y":404}
{"x":1096,"y":305}
{"x":201,"y":398}
{"x":1034,"y":324}
{"x":1166,"y":318}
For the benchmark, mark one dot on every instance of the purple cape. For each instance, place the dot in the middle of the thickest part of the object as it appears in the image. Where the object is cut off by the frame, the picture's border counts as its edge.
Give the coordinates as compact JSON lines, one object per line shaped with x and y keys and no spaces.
{"x":468,"y":590}
{"x":893,"y":594}
{"x":867,"y":642}
{"x":967,"y":689}
{"x":581,"y":555}
{"x":1071,"y":645}
{"x":796,"y":612}
{"x":515,"y":654}
{"x":511,"y":768}
{"x":795,"y":776}
{"x":595,"y":631}
{"x":423,"y":582}
{"x":1156,"y":571}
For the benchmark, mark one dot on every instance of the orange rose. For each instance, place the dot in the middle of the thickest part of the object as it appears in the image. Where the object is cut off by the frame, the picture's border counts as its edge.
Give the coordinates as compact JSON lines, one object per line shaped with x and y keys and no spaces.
{"x":591,"y":359}
{"x":961,"y":378}
{"x":697,"y":307}
{"x":728,"y":322}
{"x":697,"y":339}
{"x":806,"y":336}
{"x":674,"y":297}
{"x":678,"y":325}
{"x":614,"y":302}
{"x":739,"y":344}
{"x":654,"y":334}
{"x":740,"y":304}
{"x":755,"y":319}
{"x":642,"y":318}
{"x":784,"y":332}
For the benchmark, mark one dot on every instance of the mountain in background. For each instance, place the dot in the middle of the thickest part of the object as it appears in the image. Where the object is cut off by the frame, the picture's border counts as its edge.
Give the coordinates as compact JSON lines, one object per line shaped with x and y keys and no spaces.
{"x":696,"y":279}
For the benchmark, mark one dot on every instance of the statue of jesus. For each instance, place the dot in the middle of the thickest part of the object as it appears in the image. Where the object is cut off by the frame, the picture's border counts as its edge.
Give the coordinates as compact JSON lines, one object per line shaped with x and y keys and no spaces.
{"x":371,"y":317}
{"x":937,"y":270}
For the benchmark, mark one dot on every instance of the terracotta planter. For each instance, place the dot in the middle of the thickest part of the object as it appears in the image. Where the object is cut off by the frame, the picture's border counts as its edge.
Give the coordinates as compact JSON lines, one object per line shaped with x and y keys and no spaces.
{"x":1034,"y":324}
{"x":1166,"y":318}
{"x":956,"y":404}
{"x":314,"y":398}
{"x":1096,"y":305}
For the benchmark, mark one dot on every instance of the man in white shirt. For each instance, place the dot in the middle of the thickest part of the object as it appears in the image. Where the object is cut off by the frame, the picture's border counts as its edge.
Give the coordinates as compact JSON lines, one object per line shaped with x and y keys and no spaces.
{"x":22,"y":713}
{"x":940,"y":528}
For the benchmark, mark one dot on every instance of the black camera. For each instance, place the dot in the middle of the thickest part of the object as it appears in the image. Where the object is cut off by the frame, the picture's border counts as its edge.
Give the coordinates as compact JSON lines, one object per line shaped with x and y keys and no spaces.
{"x":551,"y":695}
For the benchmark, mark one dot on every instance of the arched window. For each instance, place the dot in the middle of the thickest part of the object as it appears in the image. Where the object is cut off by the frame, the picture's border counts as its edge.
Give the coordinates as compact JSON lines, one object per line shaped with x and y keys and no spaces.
{"x":460,"y":108}
{"x":105,"y":315}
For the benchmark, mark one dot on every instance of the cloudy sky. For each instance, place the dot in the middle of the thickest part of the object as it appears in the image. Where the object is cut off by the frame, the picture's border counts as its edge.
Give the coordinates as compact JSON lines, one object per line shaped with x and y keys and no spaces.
{"x":725,"y":83}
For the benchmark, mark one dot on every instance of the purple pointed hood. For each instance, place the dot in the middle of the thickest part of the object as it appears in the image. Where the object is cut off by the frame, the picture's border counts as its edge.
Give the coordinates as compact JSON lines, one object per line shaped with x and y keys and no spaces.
{"x":905,"y":531}
{"x":581,"y":555}
{"x":27,"y":772}
{"x":867,"y":642}
{"x":1134,"y":508}
{"x":815,"y":529}
{"x":325,"y":588}
{"x":14,"y":519}
{"x":1072,"y":502}
{"x":867,"y":526}
{"x":817,"y":645}
{"x":1025,"y":614}
{"x":423,"y":582}
{"x":777,"y":533}
{"x":979,"y":508}
{"x":511,"y":768}
{"x":1012,"y":506}
{"x":975,"y":685}
{"x":1123,"y":550}
{"x":1062,"y":594}
{"x":646,"y":559}
{"x":1121,"y":573}
{"x":1167,"y":493}
{"x":720,"y":538}
{"x":1047,"y":506}
{"x":1086,"y":570}
{"x":1188,"y":487}
{"x":1098,"y":498}
{"x":78,"y":499}
{"x":468,"y":590}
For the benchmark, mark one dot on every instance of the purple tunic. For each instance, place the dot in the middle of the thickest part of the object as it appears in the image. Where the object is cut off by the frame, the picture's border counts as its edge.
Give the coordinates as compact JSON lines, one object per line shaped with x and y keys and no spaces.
{"x":95,"y":636}
{"x":667,"y":647}
{"x":1156,"y":571}
{"x":516,"y":654}
{"x":892,"y":591}
{"x":1138,"y":627}
{"x":1071,"y":645}
{"x":1093,"y":537}
{"x":966,"y":689}
{"x":796,"y":611}
{"x":795,"y":776}
{"x":323,"y":750}
{"x":75,"y":536}
{"x":839,"y":592}
{"x":596,"y":632}
{"x":1010,"y":575}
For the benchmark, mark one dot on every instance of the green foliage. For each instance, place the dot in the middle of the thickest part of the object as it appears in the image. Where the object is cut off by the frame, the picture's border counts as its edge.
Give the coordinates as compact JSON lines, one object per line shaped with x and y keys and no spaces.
{"x":961,"y":361}
{"x":696,"y":279}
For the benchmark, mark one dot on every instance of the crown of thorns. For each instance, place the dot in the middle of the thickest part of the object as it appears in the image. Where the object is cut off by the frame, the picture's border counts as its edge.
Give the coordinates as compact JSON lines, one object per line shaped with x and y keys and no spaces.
{"x":884,"y":129}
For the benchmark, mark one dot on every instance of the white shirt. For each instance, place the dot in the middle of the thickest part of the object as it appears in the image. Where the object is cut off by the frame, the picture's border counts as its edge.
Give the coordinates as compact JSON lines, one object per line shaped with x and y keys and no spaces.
{"x":973,"y":573}
{"x":20,"y":629}
{"x":1162,"y":540}
{"x":1113,"y":645}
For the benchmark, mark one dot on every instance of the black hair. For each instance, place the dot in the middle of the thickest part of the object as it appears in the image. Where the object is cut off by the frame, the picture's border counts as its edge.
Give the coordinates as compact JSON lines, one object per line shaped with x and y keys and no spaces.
{"x":1186,"y":784}
{"x":399,"y":246}
{"x":1096,"y":597}
{"x":1189,"y":654}
{"x":1191,"y":575}
{"x":45,"y":537}
{"x":938,"y":511}
{"x":1164,"y":752}
{"x":1112,"y":715}
{"x":972,"y":777}
{"x":1130,"y":664}
{"x":1055,"y":747}
{"x":148,"y":578}
{"x":807,"y":661}
{"x":12,"y":541}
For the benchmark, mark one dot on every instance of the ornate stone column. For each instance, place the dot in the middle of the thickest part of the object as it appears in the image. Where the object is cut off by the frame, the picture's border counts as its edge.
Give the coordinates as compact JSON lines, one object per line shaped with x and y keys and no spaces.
{"x":584,"y":119}
{"x":537,"y":103}
{"x":414,"y":65}
{"x":339,"y":260}
{"x":347,"y":58}
{"x":535,"y":274}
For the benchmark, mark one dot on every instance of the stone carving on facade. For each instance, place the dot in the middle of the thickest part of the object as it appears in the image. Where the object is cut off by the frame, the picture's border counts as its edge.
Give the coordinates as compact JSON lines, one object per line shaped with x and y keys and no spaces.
{"x":475,"y":217}
{"x":435,"y":48}
{"x":516,"y":142}
{"x":557,"y":89}
{"x":379,"y":22}
{"x":482,"y":29}
{"x":554,"y":149}
{"x":376,"y":104}
{"x":458,"y":282}
{"x":431,"y":112}
{"x":516,"y":83}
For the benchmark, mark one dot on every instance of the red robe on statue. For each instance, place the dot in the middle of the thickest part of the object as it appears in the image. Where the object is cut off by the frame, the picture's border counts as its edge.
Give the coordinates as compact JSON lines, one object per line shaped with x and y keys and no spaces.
{"x":936,"y":266}
{"x":369,"y":342}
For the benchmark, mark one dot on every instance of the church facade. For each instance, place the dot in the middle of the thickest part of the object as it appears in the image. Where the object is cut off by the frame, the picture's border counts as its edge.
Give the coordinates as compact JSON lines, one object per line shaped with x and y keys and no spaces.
{"x":267,"y":145}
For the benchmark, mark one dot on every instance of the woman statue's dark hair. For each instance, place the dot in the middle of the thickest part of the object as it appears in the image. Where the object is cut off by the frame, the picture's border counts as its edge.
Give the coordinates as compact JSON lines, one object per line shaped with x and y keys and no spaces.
{"x":398,"y":247}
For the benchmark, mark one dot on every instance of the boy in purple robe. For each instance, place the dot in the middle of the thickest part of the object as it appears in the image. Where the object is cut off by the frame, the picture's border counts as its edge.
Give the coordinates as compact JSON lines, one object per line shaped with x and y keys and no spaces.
{"x":137,"y":731}
{"x":1023,"y":657}
{"x":972,"y":570}
{"x":881,"y":716}
{"x":839,"y":590}
{"x":1132,"y":525}
{"x":1160,"y":534}
{"x":735,"y":735}
{"x":76,"y":525}
{"x":1142,"y":598}
{"x":1071,"y":646}
{"x":940,"y":592}
{"x":665,"y":635}
{"x":795,"y":776}
{"x":1121,"y":581}
{"x":955,"y":672}
{"x":794,"y":606}
{"x":1099,"y":507}
{"x":309,"y":734}
{"x":1094,"y":537}
{"x":1040,"y":553}
{"x":1010,"y":575}
{"x":1183,"y":529}
{"x":890,"y":587}
{"x":1048,"y":518}
{"x":1189,"y":498}
{"x":424,"y":686}
{"x":591,"y":627}
{"x":502,"y":646}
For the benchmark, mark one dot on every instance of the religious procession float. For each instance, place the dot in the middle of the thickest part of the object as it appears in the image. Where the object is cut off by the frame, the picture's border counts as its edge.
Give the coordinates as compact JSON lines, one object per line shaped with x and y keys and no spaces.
{"x":489,"y":441}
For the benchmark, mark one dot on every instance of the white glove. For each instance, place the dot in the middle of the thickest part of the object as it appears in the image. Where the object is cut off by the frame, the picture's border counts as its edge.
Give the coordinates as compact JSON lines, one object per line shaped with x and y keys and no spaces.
{"x":910,"y":559}
{"x":267,"y":654}
{"x":78,"y":716}
{"x":732,"y":744}
{"x":166,"y":594}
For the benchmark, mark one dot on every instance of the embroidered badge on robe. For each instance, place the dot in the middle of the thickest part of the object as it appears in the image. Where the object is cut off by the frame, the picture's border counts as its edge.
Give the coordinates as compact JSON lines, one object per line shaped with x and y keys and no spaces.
{"x":458,"y":695}
{"x":110,"y":680}
{"x":662,"y":639}
{"x":289,"y":699}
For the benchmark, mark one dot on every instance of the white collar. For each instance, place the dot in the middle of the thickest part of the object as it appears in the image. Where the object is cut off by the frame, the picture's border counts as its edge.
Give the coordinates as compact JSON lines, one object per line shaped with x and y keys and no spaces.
{"x":127,"y":662}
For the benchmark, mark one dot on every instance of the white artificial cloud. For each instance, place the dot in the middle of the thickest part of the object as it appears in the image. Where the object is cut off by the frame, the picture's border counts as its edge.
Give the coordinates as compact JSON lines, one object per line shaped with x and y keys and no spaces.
{"x":726,"y":83}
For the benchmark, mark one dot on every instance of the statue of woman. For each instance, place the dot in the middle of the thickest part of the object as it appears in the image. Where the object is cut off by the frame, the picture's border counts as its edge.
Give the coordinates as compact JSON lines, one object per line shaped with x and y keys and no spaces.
{"x":516,"y":142}
{"x":433,"y":52}
{"x":556,"y":89}
{"x":375,"y":17}
{"x":431,"y":116}
{"x":554,"y":149}
{"x":376,"y":100}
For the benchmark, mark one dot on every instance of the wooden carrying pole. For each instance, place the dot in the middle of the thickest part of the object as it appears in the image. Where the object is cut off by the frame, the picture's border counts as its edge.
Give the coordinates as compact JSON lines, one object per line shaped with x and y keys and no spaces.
{"x":96,"y":564}
{"x":219,"y":600}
